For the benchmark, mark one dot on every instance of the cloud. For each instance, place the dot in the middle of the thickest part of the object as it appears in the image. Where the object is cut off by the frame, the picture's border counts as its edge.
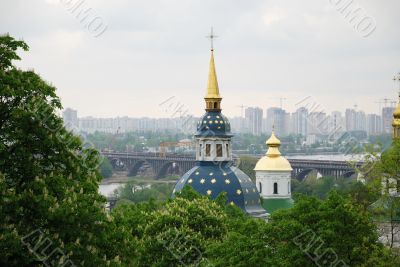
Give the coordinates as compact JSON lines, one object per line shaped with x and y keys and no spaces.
{"x":275,"y":15}
{"x":157,"y":48}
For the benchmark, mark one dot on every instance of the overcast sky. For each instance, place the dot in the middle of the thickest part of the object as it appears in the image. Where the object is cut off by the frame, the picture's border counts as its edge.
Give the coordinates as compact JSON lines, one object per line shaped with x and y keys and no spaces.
{"x":152,"y":50}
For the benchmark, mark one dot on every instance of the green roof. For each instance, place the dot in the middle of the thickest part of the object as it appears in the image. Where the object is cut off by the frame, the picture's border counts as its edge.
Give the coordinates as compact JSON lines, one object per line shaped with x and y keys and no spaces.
{"x":273,"y":204}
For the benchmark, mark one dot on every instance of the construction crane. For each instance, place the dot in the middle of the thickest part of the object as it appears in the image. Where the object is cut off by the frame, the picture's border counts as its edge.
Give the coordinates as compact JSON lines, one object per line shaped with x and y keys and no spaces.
{"x":241,"y":108}
{"x":385,"y":102}
{"x":281,"y":99}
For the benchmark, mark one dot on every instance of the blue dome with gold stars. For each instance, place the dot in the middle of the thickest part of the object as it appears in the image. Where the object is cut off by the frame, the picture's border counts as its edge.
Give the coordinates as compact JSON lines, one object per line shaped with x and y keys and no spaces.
{"x":213,"y":123}
{"x":214,"y":172}
{"x":211,"y":179}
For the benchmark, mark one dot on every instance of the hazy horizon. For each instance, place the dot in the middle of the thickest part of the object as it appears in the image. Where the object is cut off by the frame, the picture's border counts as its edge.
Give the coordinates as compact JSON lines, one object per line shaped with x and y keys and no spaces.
{"x":154,"y":50}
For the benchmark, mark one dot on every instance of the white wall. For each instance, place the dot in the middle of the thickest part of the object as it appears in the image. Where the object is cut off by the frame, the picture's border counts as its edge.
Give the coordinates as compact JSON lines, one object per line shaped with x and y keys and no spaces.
{"x":265,"y":184}
{"x":213,"y":141}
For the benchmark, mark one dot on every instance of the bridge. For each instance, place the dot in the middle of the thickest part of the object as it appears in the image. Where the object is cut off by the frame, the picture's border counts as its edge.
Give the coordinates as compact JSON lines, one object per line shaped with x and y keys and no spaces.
{"x":161,"y":166}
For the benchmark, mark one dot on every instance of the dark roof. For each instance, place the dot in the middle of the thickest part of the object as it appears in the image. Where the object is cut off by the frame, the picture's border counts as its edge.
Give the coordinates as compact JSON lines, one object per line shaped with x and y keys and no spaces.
{"x":213,"y":123}
{"x":213,"y":178}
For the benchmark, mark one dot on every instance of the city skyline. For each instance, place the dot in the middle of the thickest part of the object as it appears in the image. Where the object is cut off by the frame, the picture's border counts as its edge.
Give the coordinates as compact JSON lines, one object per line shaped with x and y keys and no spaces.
{"x":303,"y":121}
{"x":266,"y":50}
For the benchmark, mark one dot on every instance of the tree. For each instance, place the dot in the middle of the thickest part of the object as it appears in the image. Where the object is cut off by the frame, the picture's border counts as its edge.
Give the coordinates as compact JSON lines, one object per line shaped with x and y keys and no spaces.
{"x":244,"y":245}
{"x":48,"y":181}
{"x":106,"y":169}
{"x":335,"y":230}
{"x":176,"y":232}
{"x":384,"y":176}
{"x":141,"y":192}
{"x":247,"y":165}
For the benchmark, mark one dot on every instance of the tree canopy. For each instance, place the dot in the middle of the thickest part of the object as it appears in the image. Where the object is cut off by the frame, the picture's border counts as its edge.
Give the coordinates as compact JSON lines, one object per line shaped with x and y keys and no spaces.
{"x":48,"y":181}
{"x":52,"y":214}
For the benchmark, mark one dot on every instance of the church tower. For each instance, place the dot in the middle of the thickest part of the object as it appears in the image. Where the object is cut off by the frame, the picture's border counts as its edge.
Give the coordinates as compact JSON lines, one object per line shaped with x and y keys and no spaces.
{"x":273,"y":177}
{"x":215,"y":172}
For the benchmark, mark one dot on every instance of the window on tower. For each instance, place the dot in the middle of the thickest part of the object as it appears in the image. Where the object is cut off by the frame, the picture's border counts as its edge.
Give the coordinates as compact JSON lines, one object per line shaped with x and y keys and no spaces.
{"x":275,"y":188}
{"x":200,"y":149}
{"x":219,"y":150}
{"x":260,"y":187}
{"x":227,"y":150}
{"x":208,"y":150}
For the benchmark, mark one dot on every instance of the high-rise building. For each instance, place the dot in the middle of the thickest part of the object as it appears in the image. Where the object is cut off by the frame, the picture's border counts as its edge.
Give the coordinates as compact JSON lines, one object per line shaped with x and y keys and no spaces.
{"x":254,"y":118}
{"x":337,"y":122}
{"x":350,"y":117}
{"x":355,"y":120}
{"x":387,"y":117}
{"x":374,"y":124}
{"x":361,"y":121}
{"x":70,"y":117}
{"x":299,"y":121}
{"x":317,"y":123}
{"x":277,"y":118}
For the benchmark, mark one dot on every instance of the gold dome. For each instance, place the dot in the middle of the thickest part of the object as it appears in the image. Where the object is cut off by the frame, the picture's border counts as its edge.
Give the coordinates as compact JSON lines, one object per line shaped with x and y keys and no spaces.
{"x":396,"y":113}
{"x":273,"y":140}
{"x":273,"y":161}
{"x":396,"y":122}
{"x":396,"y":116}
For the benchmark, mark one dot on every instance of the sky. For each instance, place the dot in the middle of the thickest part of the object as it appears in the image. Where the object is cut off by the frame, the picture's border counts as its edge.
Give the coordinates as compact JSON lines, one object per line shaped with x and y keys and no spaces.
{"x":143,"y":58}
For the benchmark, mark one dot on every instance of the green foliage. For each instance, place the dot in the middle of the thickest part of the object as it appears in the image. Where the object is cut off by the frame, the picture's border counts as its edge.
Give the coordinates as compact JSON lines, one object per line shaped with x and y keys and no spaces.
{"x":247,"y":165}
{"x":106,"y":169}
{"x":176,"y":233}
{"x":48,"y":182}
{"x":362,"y":194}
{"x":140,"y":192}
{"x":8,"y":48}
{"x":312,"y":231}
{"x":244,"y":245}
{"x":49,"y":186}
{"x":389,"y":163}
{"x":383,"y":175}
{"x":336,"y":223}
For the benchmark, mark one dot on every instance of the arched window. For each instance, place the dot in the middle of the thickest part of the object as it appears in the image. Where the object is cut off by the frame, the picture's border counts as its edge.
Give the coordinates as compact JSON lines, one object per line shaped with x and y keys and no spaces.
{"x":219,"y":150}
{"x":227,"y":150}
{"x":208,"y":150}
{"x":260,"y":187}
{"x":275,"y":188}
{"x":288,"y":187}
{"x":201,"y":148}
{"x":215,"y":104}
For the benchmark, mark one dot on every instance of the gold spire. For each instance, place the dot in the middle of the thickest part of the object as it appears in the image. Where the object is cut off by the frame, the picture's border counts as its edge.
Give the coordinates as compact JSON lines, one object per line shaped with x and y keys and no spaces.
{"x":212,"y":98}
{"x":212,"y":86}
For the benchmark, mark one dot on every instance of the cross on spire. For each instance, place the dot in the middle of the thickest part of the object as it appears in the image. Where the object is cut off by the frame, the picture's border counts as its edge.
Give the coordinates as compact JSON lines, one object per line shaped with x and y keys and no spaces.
{"x":212,"y":37}
{"x":396,"y":79}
